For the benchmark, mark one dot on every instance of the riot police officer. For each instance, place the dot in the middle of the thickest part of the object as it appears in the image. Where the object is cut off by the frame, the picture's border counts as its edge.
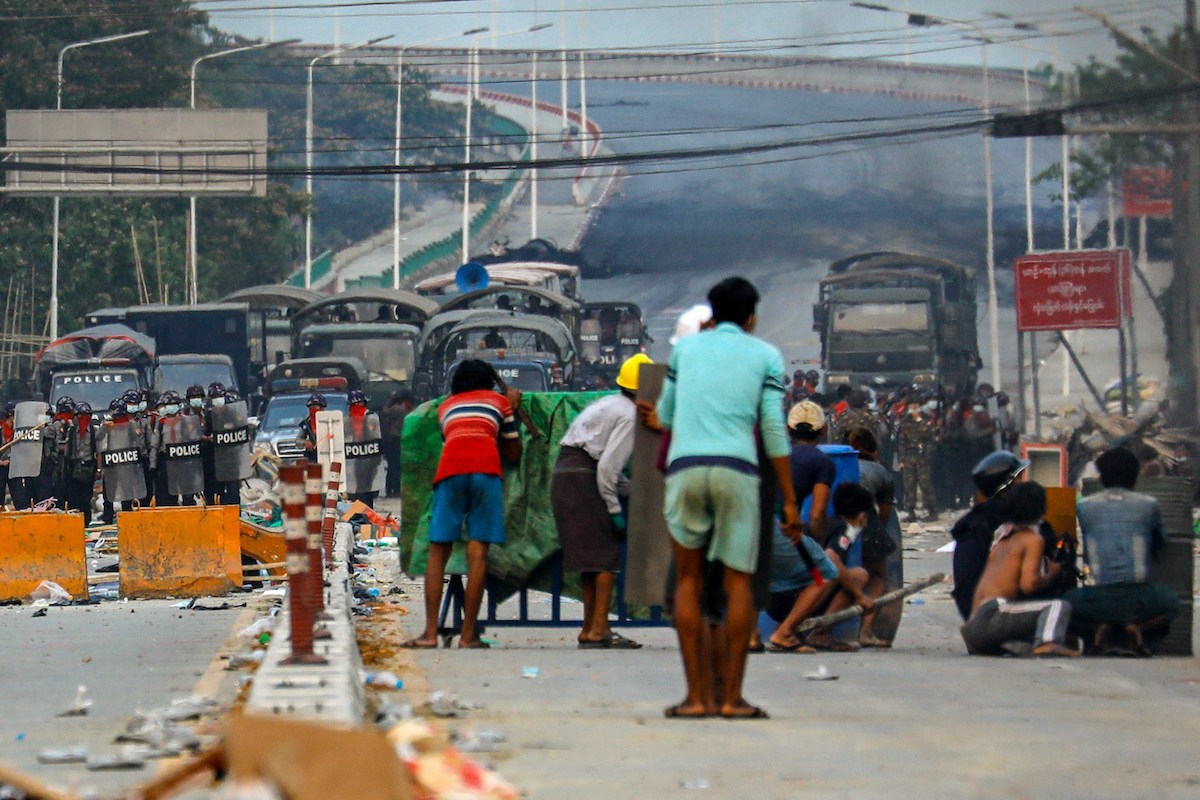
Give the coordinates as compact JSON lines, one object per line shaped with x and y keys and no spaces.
{"x":214,"y":398}
{"x":364,"y":450}
{"x":229,"y":427}
{"x":121,"y":444}
{"x":53,"y":480}
{"x":80,"y":483}
{"x":175,"y":447}
{"x":30,"y":418}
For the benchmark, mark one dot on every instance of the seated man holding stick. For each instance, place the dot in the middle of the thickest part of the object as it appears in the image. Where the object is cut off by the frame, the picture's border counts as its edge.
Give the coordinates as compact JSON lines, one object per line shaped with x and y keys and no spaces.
{"x":816,"y":581}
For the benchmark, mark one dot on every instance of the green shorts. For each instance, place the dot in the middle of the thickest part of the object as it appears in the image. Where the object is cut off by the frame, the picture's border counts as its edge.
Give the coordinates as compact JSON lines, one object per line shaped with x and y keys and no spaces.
{"x":717,"y":508}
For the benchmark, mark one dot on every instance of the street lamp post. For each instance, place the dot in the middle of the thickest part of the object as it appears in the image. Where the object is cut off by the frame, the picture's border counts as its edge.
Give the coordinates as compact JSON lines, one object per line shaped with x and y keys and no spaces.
{"x":923,"y":20}
{"x":57,"y":200}
{"x":399,"y":117}
{"x":466,"y":219}
{"x":308,"y":150}
{"x":192,"y":290}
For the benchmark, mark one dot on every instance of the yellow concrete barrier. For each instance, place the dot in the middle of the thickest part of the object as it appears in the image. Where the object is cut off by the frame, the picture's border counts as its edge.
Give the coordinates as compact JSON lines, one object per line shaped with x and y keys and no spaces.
{"x":36,"y":547}
{"x":179,"y":552}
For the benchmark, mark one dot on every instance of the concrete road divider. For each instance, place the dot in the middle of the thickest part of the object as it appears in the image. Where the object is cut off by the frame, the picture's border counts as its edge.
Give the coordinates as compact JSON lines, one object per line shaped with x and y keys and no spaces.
{"x":193,"y":551}
{"x":36,"y":547}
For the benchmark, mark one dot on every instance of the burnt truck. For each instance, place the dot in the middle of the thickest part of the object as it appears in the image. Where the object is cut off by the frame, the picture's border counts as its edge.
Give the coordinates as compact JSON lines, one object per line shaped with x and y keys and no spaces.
{"x":889,"y":319}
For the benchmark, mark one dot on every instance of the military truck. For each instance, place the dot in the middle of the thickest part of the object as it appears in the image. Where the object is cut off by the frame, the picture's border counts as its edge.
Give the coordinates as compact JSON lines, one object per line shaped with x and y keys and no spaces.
{"x":889,"y":319}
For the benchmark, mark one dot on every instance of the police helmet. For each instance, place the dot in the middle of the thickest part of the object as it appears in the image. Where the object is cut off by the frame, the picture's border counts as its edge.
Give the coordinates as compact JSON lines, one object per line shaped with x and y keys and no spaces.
{"x":117,"y":406}
{"x":231,"y":395}
{"x":83,"y":407}
{"x":317,"y":399}
{"x":996,"y":472}
{"x":131,"y":397}
{"x":195,"y":390}
{"x":8,"y":409}
{"x":65,"y":405}
{"x":812,"y":375}
{"x":356,"y":396}
{"x":216,"y":389}
{"x":168,"y":397}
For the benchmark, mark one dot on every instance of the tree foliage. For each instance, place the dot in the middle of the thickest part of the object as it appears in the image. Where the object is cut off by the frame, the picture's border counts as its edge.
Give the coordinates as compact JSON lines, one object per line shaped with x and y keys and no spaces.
{"x":241,"y":241}
{"x":1137,"y":78}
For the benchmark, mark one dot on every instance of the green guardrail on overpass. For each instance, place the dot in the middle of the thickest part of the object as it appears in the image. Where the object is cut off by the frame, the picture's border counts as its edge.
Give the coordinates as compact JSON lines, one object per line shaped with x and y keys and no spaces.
{"x":321,"y":266}
{"x":444,"y":248}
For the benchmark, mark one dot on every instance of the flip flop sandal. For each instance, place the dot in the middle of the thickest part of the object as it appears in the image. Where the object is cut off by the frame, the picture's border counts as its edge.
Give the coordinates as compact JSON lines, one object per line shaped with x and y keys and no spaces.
{"x":755,"y":713}
{"x":616,"y":641}
{"x":417,"y":644}
{"x":674,"y":712}
{"x":478,"y":644}
{"x":797,"y":648}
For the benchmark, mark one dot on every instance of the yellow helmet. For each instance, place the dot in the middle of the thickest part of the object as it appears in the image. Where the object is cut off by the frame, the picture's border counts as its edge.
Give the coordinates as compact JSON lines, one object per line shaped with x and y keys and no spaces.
{"x":627,"y":378}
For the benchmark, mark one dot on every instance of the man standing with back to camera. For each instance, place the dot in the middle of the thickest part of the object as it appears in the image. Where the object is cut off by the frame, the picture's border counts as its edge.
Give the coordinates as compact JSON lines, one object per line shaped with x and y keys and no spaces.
{"x":720,"y":385}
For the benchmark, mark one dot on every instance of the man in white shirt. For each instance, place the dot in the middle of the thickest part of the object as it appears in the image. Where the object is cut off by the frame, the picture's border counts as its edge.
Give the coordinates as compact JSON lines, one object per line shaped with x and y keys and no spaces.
{"x":587,"y":509}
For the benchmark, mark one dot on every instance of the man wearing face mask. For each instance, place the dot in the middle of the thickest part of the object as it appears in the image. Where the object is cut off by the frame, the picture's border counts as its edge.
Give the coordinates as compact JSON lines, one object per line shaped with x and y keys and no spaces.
{"x":176,"y":443}
{"x":121,"y":444}
{"x":53,"y":481}
{"x":81,"y":474}
{"x":231,"y":446}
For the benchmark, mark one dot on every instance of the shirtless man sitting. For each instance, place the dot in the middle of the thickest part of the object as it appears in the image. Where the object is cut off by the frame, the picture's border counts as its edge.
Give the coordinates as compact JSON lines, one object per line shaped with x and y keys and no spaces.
{"x":1014,"y":570}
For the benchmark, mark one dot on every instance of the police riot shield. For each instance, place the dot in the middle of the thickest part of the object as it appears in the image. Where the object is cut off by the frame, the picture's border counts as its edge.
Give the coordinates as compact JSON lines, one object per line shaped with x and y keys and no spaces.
{"x":180,"y":453}
{"x":231,"y":441}
{"x":364,"y":454}
{"x":28,"y":430}
{"x":121,"y":447}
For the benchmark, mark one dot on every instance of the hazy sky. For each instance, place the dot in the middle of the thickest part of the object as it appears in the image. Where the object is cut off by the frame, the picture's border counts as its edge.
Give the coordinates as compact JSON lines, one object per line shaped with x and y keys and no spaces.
{"x":798,"y":27}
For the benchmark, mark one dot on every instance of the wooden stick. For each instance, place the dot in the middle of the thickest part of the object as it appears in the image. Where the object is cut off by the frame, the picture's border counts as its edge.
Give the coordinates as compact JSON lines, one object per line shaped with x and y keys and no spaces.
{"x":856,"y":610}
{"x":176,"y":777}
{"x":271,"y":565}
{"x":263,"y":578}
{"x":16,"y":439}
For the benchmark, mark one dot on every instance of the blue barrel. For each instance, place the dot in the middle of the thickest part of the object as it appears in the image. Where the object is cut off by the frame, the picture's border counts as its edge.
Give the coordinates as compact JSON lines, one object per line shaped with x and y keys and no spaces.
{"x":845,"y":461}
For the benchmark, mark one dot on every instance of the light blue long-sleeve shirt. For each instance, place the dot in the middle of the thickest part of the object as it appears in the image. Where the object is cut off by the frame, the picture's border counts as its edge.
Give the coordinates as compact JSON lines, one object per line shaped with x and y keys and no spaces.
{"x":720,"y":385}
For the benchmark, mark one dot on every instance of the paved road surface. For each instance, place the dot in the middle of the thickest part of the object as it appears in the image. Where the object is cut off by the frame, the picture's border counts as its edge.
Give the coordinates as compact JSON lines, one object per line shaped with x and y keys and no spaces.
{"x":922,"y":720}
{"x":136,"y":655}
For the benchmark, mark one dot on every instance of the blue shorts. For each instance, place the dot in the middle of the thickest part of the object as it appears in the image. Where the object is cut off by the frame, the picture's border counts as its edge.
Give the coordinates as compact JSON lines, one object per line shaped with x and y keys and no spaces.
{"x":475,"y":498}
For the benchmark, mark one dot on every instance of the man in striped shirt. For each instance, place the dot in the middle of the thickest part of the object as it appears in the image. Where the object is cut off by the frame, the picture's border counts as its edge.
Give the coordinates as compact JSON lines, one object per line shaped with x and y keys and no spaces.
{"x":478,"y":430}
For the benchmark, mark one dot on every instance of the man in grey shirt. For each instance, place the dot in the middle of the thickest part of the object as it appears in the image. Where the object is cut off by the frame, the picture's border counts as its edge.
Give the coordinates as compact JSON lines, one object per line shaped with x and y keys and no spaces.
{"x":1122,"y":530}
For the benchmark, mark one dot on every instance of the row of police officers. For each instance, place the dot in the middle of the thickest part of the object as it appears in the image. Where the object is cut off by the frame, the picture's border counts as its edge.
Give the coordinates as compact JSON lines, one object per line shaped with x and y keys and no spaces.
{"x":185,"y":447}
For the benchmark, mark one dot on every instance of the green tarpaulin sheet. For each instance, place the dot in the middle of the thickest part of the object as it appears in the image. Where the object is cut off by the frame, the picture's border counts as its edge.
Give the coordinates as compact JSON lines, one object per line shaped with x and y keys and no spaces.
{"x":531,"y":535}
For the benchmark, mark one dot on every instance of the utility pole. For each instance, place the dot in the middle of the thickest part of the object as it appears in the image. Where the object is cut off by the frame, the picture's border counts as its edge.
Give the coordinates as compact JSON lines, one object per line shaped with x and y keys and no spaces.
{"x":1185,"y":289}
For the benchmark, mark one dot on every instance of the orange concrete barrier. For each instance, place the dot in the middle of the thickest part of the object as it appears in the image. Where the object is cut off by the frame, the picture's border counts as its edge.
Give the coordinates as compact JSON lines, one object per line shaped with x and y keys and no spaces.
{"x":192,"y":551}
{"x":36,"y":547}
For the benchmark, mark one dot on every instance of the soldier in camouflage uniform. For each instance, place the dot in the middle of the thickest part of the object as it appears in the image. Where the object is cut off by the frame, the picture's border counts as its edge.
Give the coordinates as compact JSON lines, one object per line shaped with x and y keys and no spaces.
{"x":858,"y":415}
{"x":915,"y":438}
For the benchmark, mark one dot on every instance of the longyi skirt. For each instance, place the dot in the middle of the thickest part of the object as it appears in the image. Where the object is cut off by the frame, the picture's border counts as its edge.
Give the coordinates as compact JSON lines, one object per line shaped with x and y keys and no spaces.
{"x":585,"y":530}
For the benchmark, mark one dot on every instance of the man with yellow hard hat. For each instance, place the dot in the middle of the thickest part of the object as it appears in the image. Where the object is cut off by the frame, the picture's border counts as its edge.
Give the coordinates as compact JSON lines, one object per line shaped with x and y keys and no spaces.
{"x":587,"y":509}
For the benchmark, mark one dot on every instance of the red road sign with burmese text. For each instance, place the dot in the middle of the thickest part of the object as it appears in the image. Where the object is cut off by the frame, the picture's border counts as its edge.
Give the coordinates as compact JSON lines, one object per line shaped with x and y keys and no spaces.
{"x":1147,"y":192}
{"x":1073,"y":290}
